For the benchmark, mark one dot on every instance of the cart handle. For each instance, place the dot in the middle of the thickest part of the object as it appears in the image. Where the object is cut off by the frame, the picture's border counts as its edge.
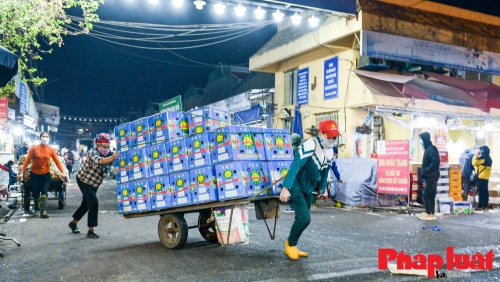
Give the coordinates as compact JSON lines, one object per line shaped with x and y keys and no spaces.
{"x":267,"y":188}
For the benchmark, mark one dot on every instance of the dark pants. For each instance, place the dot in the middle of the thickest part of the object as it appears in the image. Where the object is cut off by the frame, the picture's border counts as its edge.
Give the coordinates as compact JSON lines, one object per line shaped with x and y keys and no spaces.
{"x":301,"y":204}
{"x":466,"y":185}
{"x":27,"y":198}
{"x":39,"y":184}
{"x":484,"y":197}
{"x":430,"y":195}
{"x":89,"y":203}
{"x":70,"y":169}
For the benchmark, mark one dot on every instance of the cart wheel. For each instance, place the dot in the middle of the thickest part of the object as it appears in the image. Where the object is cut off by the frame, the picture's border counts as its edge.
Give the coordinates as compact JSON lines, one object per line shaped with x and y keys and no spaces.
{"x":62,"y":198}
{"x":208,"y":231}
{"x":173,"y":231}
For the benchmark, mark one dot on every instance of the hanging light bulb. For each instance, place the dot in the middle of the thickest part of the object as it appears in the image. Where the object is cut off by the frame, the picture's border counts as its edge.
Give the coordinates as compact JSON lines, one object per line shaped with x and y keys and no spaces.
{"x":219,"y":8}
{"x":177,"y":3}
{"x":278,"y":16}
{"x":154,"y":2}
{"x":313,"y":21}
{"x":296,"y":19}
{"x":199,"y":4}
{"x":240,"y":10}
{"x":259,"y":13}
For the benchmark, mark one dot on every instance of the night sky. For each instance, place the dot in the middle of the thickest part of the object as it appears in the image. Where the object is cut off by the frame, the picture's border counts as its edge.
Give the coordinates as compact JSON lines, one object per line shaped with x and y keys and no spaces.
{"x":98,"y":79}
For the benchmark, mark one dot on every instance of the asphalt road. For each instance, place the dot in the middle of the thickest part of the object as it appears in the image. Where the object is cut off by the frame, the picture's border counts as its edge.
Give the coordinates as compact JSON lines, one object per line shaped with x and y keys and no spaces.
{"x":342,"y":244}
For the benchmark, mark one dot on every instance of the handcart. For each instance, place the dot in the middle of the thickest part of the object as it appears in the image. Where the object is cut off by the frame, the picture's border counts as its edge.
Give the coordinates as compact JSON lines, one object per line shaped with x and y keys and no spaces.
{"x":57,"y":187}
{"x":173,"y":229}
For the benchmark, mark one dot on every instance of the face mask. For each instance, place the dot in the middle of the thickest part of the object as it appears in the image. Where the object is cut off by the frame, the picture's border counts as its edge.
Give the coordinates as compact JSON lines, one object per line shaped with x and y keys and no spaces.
{"x":103,"y":152}
{"x":328,"y":143}
{"x":44,"y":140}
{"x":421,"y":142}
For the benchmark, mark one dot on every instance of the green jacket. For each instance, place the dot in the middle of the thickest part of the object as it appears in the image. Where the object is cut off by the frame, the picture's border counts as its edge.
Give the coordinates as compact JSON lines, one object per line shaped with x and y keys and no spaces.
{"x":309,"y":169}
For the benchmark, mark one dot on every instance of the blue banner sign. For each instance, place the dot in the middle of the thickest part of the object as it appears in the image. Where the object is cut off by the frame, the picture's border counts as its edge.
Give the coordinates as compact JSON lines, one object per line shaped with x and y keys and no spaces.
{"x":405,"y":49}
{"x":23,"y":96}
{"x":331,"y":78}
{"x":344,"y":6}
{"x":303,"y":86}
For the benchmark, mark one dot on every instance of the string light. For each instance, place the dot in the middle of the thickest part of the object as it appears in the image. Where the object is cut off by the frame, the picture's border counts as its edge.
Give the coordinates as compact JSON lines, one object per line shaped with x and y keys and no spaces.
{"x":219,"y":8}
{"x":259,"y":13}
{"x":177,"y":3}
{"x":296,"y":19}
{"x":199,"y":4}
{"x":313,"y":21}
{"x":240,"y":10}
{"x":278,"y":16}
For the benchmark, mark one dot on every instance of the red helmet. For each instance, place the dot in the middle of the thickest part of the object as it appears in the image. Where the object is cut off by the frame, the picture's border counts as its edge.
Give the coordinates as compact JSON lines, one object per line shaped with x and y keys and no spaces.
{"x":329,"y":128}
{"x":102,"y":138}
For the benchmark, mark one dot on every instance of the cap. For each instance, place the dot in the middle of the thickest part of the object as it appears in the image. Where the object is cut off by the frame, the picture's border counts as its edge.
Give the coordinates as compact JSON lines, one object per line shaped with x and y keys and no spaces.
{"x":102,"y":138}
{"x":329,"y":128}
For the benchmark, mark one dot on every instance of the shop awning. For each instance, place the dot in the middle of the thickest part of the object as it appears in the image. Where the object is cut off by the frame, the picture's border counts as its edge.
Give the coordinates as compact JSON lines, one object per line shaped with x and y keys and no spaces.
{"x":447,"y":90}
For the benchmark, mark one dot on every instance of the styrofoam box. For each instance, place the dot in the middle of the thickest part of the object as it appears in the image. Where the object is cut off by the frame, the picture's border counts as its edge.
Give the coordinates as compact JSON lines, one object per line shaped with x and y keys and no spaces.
{"x":207,"y":119}
{"x":255,"y":177}
{"x":140,"y":190}
{"x":123,"y":167}
{"x":462,"y":207}
{"x":229,"y":182}
{"x":198,"y":151}
{"x":139,"y":164}
{"x":181,"y":195}
{"x":177,"y":125}
{"x":203,"y":188}
{"x":125,"y":199}
{"x":158,"y":128}
{"x":177,"y":159}
{"x":139,"y":133}
{"x":277,"y":144}
{"x":278,"y":169}
{"x":161,"y":195}
{"x":157,"y":156}
{"x":235,"y":143}
{"x":445,"y":205}
{"x":122,"y":136}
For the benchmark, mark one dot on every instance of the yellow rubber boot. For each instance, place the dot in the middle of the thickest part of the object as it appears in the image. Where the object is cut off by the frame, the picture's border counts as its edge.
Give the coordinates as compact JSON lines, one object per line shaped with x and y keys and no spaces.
{"x":291,"y":252}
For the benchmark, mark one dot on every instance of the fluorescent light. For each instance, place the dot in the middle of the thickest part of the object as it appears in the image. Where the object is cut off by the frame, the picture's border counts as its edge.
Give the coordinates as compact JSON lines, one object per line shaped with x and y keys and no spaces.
{"x":177,"y":3}
{"x":240,"y":10}
{"x":199,"y":4}
{"x":480,"y":134}
{"x":296,"y":19}
{"x":259,"y":13}
{"x":219,"y":8}
{"x":278,"y":16}
{"x":313,"y":21}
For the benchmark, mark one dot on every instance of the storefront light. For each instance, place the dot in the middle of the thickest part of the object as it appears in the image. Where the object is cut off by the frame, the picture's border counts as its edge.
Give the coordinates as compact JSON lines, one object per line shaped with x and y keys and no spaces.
{"x":313,"y":21}
{"x":199,"y":4}
{"x":154,"y":2}
{"x":259,"y":13}
{"x":18,"y":131}
{"x":296,"y":19}
{"x":480,"y":134}
{"x":177,"y":3}
{"x":278,"y":15}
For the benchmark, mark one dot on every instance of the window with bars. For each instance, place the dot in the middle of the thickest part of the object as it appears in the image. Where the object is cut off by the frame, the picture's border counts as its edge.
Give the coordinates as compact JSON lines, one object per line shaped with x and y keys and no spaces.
{"x":290,"y":87}
{"x":321,"y":117}
{"x":289,"y":125}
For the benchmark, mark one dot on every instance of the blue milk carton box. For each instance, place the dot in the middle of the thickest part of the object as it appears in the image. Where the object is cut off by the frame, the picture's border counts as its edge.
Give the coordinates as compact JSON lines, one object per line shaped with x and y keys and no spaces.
{"x":181,"y":195}
{"x":177,"y":124}
{"x":123,"y":167}
{"x":198,"y":151}
{"x":203,"y":184}
{"x":255,"y":177}
{"x":236,"y":143}
{"x":277,"y":144}
{"x":125,"y":202}
{"x":229,"y":182}
{"x":157,"y":160}
{"x":177,"y":159}
{"x":158,"y":128}
{"x":139,"y":133}
{"x":122,"y":136}
{"x":161,"y":195}
{"x":277,"y":170}
{"x":139,"y":164}
{"x":207,"y":119}
{"x":140,"y":190}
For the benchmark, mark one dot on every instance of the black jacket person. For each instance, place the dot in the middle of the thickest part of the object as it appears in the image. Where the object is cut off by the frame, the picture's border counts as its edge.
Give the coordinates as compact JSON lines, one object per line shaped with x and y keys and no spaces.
{"x":430,"y":175}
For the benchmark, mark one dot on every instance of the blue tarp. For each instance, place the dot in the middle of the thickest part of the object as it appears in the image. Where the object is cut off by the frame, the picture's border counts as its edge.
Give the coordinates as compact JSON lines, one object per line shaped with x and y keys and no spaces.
{"x":8,"y":66}
{"x":247,"y":116}
{"x":297,"y":122}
